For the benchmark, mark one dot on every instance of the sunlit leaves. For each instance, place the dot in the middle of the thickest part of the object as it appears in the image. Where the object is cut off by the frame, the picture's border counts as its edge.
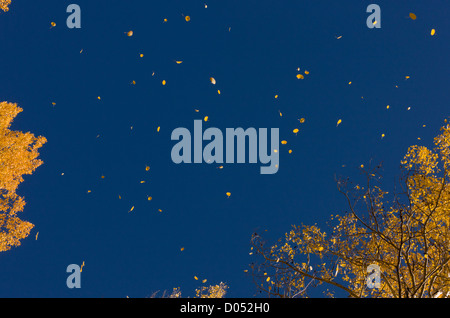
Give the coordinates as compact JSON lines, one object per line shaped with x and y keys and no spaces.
{"x":18,"y":157}
{"x":4,"y":5}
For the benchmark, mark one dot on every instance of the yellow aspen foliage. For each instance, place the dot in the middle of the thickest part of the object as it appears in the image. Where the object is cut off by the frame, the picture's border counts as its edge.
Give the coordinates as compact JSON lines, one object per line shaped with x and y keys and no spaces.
{"x":4,"y":5}
{"x":213,"y":291}
{"x":18,"y":157}
{"x":405,"y":234}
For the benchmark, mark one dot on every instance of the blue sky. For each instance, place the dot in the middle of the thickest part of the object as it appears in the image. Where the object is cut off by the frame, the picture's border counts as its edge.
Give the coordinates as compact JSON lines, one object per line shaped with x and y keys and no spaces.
{"x":253,"y":50}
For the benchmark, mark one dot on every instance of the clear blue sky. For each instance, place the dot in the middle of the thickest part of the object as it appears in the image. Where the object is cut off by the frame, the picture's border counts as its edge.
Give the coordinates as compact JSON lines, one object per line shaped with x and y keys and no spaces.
{"x":137,"y":253}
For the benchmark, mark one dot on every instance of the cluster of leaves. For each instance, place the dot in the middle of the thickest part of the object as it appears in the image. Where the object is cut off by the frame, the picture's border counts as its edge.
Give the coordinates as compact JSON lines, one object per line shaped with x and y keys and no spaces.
{"x":18,"y":157}
{"x":4,"y":5}
{"x":407,"y":236}
{"x":212,"y":291}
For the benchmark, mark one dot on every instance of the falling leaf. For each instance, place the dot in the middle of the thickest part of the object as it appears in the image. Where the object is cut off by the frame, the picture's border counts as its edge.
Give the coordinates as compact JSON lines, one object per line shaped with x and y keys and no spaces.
{"x":339,"y":122}
{"x":290,"y":150}
{"x":406,"y":77}
{"x":433,"y":32}
{"x":147,"y":168}
{"x":81,"y":268}
{"x":283,"y":142}
{"x":130,"y":33}
{"x":132,"y":208}
{"x":142,"y":181}
{"x":182,"y":249}
{"x":165,"y":20}
{"x":268,"y":279}
{"x":195,"y":277}
{"x":103,"y":177}
{"x":296,"y":130}
{"x":362,"y":166}
{"x":120,"y":197}
{"x":300,"y":76}
{"x":382,"y":136}
{"x":387,"y":107}
{"x":339,"y":37}
{"x":160,"y":210}
{"x":218,"y":91}
{"x":53,"y":103}
{"x":276,"y":96}
{"x":204,"y":281}
{"x":205,"y":119}
{"x":349,"y":83}
{"x":141,"y":55}
{"x":320,"y":249}
{"x":158,"y":129}
{"x":213,"y":80}
{"x":302,"y":120}
{"x":133,"y":82}
{"x":228,"y":194}
{"x":163,"y":82}
{"x":53,"y":24}
{"x":89,"y":191}
{"x":306,"y":72}
{"x":149,"y":198}
{"x":37,"y":234}
{"x":412,"y":16}
{"x":187,"y":18}
{"x":99,"y":98}
{"x":81,"y":51}
{"x":178,"y":62}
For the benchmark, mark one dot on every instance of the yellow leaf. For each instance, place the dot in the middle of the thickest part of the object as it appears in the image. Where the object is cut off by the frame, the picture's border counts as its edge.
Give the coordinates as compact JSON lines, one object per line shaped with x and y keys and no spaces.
{"x":412,"y":16}
{"x":302,"y":120}
{"x":53,"y":24}
{"x":213,"y":80}
{"x":228,"y":194}
{"x":149,"y":198}
{"x":204,"y":281}
{"x":290,"y":151}
{"x":276,"y":96}
{"x":130,"y":33}
{"x":283,"y":142}
{"x":300,"y":76}
{"x":132,"y":208}
{"x":433,"y":32}
{"x":141,"y":55}
{"x":268,"y":279}
{"x":164,"y":82}
{"x":295,"y":130}
{"x":178,"y":62}
{"x":147,"y":168}
{"x":182,"y":249}
{"x":339,"y":122}
{"x":195,"y":277}
{"x":158,"y":129}
{"x":187,"y":18}
{"x":205,"y":119}
{"x":306,"y":72}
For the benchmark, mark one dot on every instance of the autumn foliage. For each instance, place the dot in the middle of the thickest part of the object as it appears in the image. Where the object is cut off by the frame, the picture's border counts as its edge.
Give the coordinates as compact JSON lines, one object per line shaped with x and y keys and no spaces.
{"x":18,"y":157}
{"x":406,"y":234}
{"x":4,"y":5}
